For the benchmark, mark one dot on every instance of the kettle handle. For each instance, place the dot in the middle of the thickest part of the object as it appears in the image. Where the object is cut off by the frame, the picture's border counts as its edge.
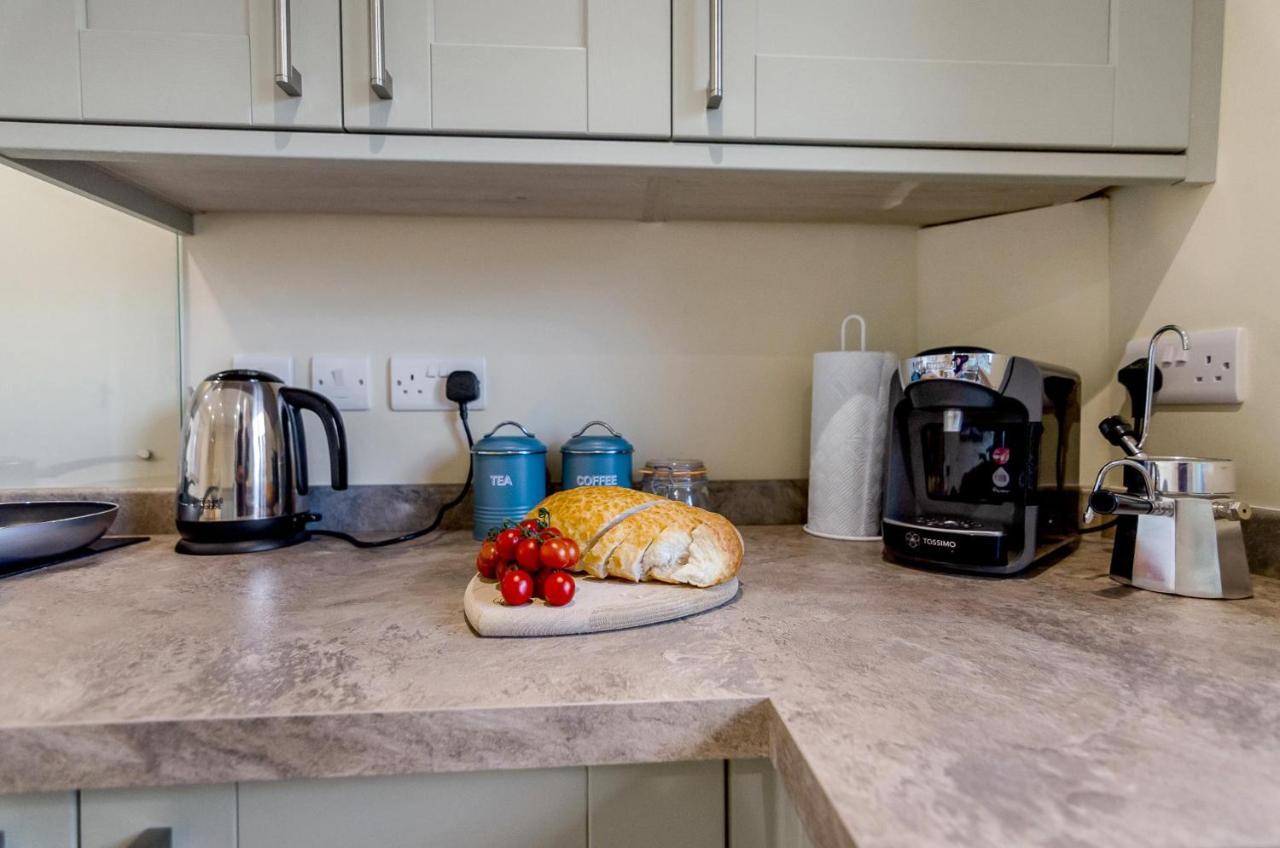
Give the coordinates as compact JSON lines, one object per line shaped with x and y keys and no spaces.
{"x":591,"y":424}
{"x":334,"y":431}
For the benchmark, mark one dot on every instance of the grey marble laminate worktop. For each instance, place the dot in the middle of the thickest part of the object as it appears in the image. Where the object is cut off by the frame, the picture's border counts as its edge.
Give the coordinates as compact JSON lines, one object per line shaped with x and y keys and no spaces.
{"x":902,"y":707}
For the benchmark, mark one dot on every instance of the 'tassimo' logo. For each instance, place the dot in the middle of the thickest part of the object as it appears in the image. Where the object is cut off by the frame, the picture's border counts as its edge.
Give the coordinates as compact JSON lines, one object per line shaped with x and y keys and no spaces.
{"x":915,"y":540}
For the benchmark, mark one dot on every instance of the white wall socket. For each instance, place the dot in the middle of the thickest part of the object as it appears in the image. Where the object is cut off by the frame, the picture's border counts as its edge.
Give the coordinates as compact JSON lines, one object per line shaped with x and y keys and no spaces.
{"x":342,"y":379}
{"x":1213,"y":371}
{"x":417,"y":382}
{"x":281,"y":365}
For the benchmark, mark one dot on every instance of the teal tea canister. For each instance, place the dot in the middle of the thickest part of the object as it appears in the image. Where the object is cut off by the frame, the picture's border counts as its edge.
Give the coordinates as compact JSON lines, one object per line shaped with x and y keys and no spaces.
{"x":510,"y":477}
{"x":596,"y":460}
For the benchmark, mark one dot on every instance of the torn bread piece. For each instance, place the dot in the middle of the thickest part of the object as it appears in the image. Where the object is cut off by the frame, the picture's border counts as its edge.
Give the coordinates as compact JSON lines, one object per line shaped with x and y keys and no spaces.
{"x":637,"y":536}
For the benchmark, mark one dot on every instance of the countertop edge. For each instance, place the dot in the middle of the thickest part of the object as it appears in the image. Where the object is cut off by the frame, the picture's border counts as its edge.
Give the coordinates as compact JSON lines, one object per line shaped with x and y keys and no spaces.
{"x":53,"y":757}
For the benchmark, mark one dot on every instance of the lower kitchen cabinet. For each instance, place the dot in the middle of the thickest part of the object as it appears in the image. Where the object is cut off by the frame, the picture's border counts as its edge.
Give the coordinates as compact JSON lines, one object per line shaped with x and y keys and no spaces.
{"x":38,"y":820}
{"x":705,"y":804}
{"x":761,"y":814}
{"x":675,"y":805}
{"x":193,"y":816}
{"x":493,"y":809}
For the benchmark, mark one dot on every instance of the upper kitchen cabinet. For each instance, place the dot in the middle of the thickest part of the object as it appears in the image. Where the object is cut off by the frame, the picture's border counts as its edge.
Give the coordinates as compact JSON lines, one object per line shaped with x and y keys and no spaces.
{"x":261,"y":63}
{"x":1032,"y":74}
{"x":516,"y":67}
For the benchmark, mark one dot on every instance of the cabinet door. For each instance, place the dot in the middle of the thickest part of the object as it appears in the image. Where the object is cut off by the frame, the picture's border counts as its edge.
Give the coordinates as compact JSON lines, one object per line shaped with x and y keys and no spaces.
{"x":527,"y":67}
{"x":195,"y":816}
{"x":40,"y":59}
{"x":675,"y":805}
{"x":1085,"y":74}
{"x":497,"y":809}
{"x":761,"y":813}
{"x":182,"y":62}
{"x":38,"y":820}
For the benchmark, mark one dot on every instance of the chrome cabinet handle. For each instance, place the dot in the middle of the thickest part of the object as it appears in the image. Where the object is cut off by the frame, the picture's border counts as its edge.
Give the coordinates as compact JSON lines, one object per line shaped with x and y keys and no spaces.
{"x":153,"y":837}
{"x":715,"y":85}
{"x":288,"y":78}
{"x":379,"y":76}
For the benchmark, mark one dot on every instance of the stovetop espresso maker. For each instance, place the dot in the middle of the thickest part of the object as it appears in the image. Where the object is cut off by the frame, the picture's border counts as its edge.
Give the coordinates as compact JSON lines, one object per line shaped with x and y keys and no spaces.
{"x":1178,"y":529}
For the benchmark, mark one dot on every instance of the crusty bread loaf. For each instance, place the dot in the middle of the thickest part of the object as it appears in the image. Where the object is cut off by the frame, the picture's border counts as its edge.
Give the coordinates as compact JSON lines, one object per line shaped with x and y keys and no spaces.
{"x":637,"y":536}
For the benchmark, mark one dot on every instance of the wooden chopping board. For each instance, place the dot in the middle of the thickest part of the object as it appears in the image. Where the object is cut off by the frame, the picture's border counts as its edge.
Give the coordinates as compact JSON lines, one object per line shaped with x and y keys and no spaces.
{"x":598,"y":605}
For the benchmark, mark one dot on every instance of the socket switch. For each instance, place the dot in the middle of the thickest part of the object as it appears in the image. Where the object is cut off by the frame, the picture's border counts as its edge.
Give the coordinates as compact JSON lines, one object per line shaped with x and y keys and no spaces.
{"x":342,"y":379}
{"x":417,"y":382}
{"x":1213,"y":371}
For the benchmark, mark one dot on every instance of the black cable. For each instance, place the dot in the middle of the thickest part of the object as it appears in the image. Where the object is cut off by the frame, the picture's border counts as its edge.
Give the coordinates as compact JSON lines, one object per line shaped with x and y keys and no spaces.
{"x":1107,"y":526}
{"x":417,"y":534}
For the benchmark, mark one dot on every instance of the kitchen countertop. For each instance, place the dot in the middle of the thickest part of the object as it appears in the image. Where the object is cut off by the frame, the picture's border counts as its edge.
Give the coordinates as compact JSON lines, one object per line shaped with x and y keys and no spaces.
{"x":902,"y":707}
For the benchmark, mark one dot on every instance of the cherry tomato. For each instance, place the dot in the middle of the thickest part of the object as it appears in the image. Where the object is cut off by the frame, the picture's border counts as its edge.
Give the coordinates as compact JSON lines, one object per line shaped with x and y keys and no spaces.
{"x":529,"y":524}
{"x":517,"y":587}
{"x":540,"y":584}
{"x":501,"y":569}
{"x":558,"y":553}
{"x":559,"y":588}
{"x":506,"y":542}
{"x":487,"y":560}
{"x":550,"y":533}
{"x":527,"y":554}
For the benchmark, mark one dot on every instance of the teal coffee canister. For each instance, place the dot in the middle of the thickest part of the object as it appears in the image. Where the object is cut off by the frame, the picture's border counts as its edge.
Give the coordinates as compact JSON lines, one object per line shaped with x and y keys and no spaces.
{"x":597,"y":459}
{"x":510,"y":476}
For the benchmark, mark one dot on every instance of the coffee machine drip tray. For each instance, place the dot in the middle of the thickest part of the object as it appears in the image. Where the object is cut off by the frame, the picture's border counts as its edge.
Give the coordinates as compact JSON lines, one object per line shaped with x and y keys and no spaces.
{"x":948,"y":541}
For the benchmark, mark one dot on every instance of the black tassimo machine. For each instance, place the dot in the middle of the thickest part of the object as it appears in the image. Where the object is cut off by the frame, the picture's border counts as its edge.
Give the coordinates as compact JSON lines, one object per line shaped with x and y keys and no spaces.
{"x":983,"y":461}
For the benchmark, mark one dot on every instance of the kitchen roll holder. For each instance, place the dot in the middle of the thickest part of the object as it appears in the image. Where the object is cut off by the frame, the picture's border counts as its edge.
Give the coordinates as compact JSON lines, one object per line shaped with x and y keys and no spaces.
{"x":848,"y":436}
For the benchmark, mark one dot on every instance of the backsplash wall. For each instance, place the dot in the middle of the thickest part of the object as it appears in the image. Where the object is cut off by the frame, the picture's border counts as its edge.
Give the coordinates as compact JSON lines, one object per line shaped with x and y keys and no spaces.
{"x":691,"y":338}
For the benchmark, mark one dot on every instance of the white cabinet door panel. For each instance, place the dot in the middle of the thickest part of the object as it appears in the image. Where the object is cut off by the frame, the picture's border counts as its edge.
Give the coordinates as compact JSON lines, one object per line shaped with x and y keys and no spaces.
{"x":197,"y":816}
{"x":172,"y":62}
{"x":761,"y":813}
{"x":877,"y":101}
{"x":38,"y":820}
{"x":40,"y":59}
{"x":165,"y":77}
{"x":496,"y":809}
{"x":535,"y":67}
{"x":1039,"y":74}
{"x":674,"y":805}
{"x":509,"y":89}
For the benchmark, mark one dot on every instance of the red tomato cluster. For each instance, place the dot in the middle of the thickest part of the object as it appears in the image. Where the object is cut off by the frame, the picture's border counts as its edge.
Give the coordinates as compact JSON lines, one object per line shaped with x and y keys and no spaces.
{"x":530,"y":560}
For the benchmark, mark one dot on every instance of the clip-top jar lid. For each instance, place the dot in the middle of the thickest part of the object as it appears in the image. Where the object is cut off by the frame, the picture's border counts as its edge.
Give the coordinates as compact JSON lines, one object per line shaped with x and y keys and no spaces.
{"x":597,"y":443}
{"x":509,"y":444}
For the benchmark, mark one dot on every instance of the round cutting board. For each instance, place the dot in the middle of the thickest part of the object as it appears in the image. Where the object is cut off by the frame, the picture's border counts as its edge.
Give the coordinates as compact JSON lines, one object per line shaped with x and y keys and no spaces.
{"x":598,"y":605}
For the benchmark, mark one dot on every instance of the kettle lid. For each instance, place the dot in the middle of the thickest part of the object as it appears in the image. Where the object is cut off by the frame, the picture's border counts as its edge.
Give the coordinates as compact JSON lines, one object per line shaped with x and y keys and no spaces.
{"x":242,"y":375}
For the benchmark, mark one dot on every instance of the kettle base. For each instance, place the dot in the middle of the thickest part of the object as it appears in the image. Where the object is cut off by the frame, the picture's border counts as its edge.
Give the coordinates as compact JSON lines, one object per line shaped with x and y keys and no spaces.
{"x":244,"y":546}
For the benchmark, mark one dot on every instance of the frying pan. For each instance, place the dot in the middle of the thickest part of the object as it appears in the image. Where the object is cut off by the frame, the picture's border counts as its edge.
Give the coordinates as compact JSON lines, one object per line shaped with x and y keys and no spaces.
{"x":36,"y":529}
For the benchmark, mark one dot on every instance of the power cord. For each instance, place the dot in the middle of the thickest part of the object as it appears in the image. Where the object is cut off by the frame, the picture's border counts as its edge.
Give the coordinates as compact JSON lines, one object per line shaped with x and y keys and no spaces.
{"x":461,"y":387}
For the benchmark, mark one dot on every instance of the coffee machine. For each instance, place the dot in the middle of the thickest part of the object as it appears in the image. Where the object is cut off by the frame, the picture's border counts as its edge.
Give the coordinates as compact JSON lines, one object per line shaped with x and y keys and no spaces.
{"x":982,"y":470}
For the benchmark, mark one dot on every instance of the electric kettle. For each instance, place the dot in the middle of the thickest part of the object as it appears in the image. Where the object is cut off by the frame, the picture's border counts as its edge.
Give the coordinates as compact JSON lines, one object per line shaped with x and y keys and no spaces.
{"x":243,"y":482}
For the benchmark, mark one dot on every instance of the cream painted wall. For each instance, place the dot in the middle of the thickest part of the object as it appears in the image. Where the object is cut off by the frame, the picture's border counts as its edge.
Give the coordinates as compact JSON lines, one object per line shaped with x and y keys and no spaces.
{"x":88,"y":342}
{"x":691,"y":338}
{"x":1208,"y":257}
{"x":1033,"y":284}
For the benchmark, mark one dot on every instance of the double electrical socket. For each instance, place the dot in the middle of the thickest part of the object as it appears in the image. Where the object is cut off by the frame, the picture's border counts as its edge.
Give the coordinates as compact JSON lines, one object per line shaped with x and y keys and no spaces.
{"x":1212,"y":372}
{"x":417,"y":382}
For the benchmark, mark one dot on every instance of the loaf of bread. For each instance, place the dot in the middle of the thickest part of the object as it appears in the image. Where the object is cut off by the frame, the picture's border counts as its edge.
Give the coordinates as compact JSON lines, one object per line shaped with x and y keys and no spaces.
{"x":638,"y":536}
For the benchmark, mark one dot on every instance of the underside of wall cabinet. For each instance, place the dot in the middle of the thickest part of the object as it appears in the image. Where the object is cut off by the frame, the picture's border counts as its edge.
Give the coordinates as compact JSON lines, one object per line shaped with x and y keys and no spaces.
{"x":167,"y":175}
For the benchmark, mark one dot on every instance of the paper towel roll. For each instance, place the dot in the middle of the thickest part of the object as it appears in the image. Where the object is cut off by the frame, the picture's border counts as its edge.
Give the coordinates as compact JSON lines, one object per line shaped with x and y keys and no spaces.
{"x":847,"y":441}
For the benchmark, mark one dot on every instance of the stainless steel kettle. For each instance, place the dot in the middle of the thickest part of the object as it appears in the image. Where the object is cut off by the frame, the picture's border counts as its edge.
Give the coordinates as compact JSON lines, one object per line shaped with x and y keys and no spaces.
{"x":243,"y":480}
